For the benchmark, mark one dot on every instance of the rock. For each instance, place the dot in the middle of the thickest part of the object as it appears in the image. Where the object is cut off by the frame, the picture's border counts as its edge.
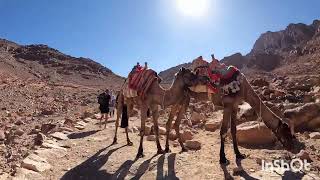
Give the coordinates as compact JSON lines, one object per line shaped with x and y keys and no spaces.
{"x":246,"y":113}
{"x":193,"y":145}
{"x":35,"y":163}
{"x":172,"y":135}
{"x":19,"y":122}
{"x":249,"y":133}
{"x":2,"y":135}
{"x":45,"y":128}
{"x":303,"y":114}
{"x":23,"y":174}
{"x":212,"y":125}
{"x":151,"y":138}
{"x":315,"y":135}
{"x":59,"y":136}
{"x":79,"y":127}
{"x":19,"y":132}
{"x":49,"y":144}
{"x":39,"y":139}
{"x":186,"y":135}
{"x":88,"y":120}
{"x":304,"y":155}
{"x":162,"y":130}
{"x":260,"y":82}
{"x":196,"y":118}
{"x":147,"y":129}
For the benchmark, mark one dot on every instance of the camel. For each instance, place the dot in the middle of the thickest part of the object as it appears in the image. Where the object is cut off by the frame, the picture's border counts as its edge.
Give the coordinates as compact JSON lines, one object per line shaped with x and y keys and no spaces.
{"x":154,"y":97}
{"x":230,"y":104}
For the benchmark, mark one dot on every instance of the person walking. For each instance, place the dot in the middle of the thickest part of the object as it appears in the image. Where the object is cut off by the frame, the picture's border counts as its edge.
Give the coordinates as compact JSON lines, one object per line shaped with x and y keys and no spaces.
{"x":104,"y":100}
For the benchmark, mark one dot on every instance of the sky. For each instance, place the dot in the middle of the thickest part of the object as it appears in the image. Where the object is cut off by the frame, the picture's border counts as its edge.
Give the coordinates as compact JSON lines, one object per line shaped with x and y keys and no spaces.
{"x":165,"y":33}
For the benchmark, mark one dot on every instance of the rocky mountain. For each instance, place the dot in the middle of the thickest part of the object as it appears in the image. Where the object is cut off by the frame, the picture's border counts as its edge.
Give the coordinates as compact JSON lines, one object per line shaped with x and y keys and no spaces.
{"x":40,"y":62}
{"x":292,"y":51}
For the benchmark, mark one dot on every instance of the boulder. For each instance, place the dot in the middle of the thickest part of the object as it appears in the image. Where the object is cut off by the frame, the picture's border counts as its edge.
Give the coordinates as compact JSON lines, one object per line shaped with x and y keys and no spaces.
{"x":39,"y":139}
{"x":19,"y":132}
{"x":304,"y":155}
{"x":196,"y":118}
{"x":2,"y":135}
{"x":212,"y":125}
{"x":35,"y":163}
{"x":186,"y":135}
{"x":259,"y":82}
{"x":302,"y":115}
{"x":162,"y":130}
{"x":151,"y":138}
{"x":23,"y":174}
{"x":172,"y":135}
{"x":314,"y":135}
{"x":59,"y":136}
{"x":193,"y":145}
{"x":249,"y":133}
{"x":246,"y":113}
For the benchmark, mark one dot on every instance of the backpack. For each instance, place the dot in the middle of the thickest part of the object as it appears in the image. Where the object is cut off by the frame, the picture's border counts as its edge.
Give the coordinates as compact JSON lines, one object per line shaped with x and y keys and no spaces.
{"x":102,"y":98}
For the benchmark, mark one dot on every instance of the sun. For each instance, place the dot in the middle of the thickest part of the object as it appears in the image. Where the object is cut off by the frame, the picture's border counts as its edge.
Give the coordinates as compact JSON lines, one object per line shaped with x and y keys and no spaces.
{"x":193,"y":8}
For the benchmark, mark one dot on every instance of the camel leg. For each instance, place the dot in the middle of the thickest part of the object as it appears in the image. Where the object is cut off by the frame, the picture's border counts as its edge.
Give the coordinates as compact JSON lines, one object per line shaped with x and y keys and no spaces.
{"x":129,"y":143}
{"x":223,"y":132}
{"x":234,"y":135}
{"x":119,"y":112}
{"x":155,"y":116}
{"x":168,"y":126}
{"x":177,"y":128}
{"x":144,"y":109}
{"x":129,"y":108}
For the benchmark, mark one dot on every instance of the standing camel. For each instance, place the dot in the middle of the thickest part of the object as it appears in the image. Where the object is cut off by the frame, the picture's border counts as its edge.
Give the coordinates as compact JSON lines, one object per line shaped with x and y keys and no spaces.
{"x":230,"y":104}
{"x":154,"y":97}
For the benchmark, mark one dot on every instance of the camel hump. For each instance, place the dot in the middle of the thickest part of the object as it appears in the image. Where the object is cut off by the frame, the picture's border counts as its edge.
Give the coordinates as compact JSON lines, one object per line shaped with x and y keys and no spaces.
{"x":141,"y":80}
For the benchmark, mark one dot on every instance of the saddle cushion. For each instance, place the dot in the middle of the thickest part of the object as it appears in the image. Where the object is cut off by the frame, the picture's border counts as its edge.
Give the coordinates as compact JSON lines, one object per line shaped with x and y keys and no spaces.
{"x":140,"y":82}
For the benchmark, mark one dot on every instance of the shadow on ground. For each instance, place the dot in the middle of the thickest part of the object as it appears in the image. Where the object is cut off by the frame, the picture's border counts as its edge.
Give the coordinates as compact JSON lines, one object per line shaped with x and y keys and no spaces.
{"x":81,"y":134}
{"x":91,"y":168}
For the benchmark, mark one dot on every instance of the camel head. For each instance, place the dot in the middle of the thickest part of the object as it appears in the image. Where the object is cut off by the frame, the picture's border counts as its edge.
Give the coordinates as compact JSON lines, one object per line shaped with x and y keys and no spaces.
{"x":284,"y":135}
{"x":186,"y":77}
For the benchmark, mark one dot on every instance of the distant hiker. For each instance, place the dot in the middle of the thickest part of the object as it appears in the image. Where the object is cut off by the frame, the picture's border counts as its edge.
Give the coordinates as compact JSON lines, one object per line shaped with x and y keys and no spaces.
{"x":145,"y":65}
{"x":104,"y":100}
{"x":112,"y":104}
{"x":136,"y":68}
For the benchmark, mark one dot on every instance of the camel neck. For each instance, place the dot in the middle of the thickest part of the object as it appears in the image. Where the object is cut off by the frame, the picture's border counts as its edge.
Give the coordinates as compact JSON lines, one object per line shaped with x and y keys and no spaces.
{"x":172,"y":95}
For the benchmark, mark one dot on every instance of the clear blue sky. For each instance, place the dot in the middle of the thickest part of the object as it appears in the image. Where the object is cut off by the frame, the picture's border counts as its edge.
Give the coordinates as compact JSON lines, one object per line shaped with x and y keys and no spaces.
{"x":118,"y":33}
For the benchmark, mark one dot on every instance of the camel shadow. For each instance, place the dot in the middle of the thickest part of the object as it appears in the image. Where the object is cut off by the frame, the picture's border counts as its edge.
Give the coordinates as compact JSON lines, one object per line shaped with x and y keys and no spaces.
{"x":81,"y":134}
{"x":89,"y":169}
{"x":160,"y":172}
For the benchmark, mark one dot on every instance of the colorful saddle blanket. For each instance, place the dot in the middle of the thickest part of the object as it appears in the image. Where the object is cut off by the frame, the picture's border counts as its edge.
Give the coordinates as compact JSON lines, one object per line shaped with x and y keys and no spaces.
{"x":227,"y":78}
{"x":141,"y":80}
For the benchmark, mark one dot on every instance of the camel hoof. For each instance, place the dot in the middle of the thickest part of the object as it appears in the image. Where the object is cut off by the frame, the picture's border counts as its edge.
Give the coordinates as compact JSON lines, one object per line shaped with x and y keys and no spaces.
{"x":184,"y":149}
{"x":114,"y":141}
{"x":130,"y":143}
{"x":139,"y":156}
{"x":160,"y":151}
{"x":224,"y":161}
{"x":167,"y":150}
{"x":240,"y":156}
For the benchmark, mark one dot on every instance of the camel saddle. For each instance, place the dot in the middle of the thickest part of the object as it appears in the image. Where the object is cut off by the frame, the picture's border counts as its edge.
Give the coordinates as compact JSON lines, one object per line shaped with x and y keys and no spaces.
{"x":140,"y":82}
{"x":227,"y":78}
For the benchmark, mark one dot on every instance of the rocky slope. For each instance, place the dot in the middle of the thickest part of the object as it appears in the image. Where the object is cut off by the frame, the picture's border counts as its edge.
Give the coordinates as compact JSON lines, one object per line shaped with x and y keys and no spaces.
{"x":293,"y":51}
{"x":42,"y":63}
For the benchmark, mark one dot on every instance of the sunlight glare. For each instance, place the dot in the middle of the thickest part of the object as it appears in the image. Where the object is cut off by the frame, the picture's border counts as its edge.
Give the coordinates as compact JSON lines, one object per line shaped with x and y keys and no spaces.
{"x":193,"y":8}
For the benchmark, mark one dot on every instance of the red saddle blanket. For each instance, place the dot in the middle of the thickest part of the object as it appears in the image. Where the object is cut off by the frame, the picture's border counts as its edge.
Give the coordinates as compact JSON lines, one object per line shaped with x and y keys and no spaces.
{"x":218,"y":76}
{"x":141,"y":80}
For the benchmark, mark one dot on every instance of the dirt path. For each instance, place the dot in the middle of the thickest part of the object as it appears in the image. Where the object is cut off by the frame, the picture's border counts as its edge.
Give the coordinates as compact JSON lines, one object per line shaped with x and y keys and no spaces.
{"x":90,"y":155}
